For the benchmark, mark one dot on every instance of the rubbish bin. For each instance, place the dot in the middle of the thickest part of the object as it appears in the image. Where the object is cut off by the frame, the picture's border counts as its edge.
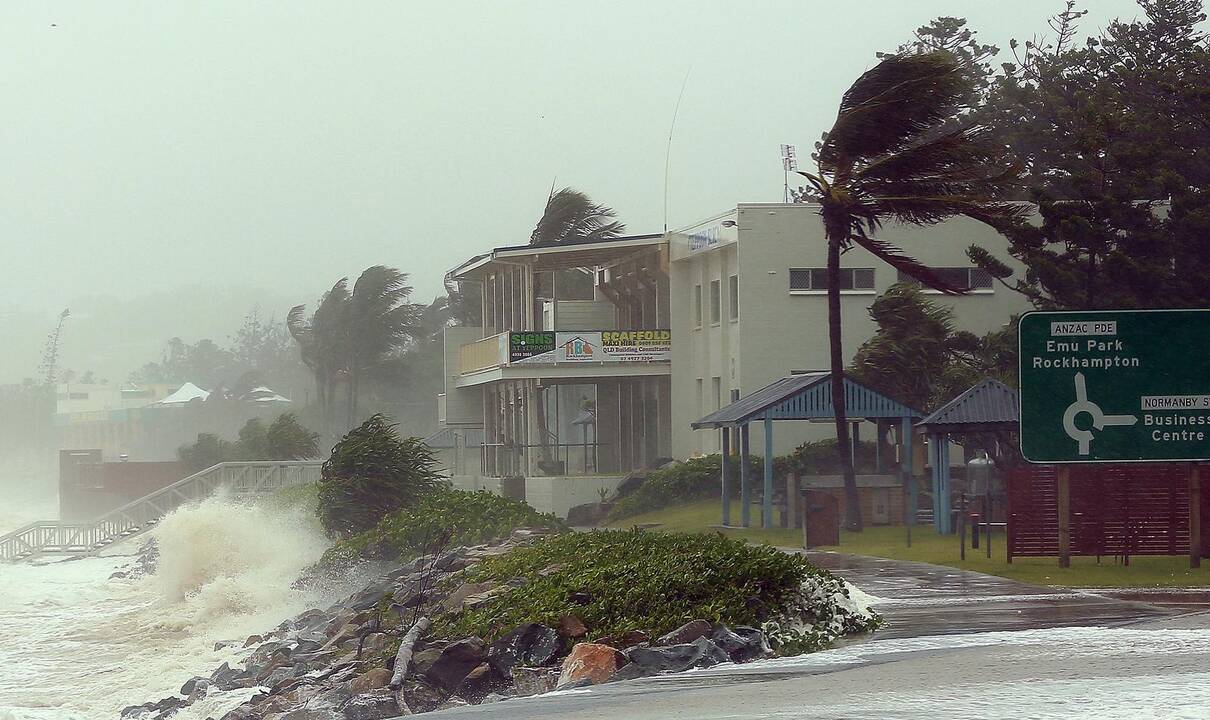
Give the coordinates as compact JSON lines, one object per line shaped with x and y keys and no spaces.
{"x":820,"y":518}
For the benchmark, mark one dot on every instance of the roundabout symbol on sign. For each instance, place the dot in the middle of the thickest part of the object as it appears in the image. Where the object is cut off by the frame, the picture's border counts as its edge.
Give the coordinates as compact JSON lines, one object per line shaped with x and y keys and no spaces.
{"x":1100,"y":420}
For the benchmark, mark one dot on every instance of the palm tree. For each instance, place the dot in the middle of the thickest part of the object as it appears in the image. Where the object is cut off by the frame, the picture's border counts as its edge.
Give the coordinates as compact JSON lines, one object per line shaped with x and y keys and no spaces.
{"x":891,"y":156}
{"x":380,"y":322}
{"x":322,"y":342}
{"x":572,"y":216}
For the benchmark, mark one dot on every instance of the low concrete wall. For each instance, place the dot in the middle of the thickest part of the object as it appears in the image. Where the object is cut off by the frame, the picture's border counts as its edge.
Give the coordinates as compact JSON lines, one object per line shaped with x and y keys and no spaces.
{"x":559,"y":494}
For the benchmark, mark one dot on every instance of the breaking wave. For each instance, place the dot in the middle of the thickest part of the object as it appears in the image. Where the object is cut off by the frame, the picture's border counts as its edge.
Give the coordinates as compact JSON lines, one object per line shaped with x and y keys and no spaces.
{"x":78,"y":645}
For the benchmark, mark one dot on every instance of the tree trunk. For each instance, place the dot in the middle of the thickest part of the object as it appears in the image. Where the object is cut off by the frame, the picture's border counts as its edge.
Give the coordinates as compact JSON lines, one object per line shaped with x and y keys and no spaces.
{"x":852,"y":504}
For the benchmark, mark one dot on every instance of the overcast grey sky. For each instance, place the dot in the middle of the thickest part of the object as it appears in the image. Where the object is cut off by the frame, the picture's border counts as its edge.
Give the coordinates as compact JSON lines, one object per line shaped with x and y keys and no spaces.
{"x":264,"y":149}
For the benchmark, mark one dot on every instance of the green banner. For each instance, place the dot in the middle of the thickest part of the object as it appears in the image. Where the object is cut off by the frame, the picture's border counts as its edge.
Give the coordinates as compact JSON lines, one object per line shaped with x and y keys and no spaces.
{"x":1115,"y":386}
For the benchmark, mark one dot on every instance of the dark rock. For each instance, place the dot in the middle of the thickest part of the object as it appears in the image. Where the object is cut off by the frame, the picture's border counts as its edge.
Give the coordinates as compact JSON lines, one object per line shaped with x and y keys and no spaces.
{"x":530,"y":644}
{"x":194,"y":683}
{"x":586,"y":515}
{"x":453,"y":702}
{"x":481,"y":681}
{"x":686,"y":633}
{"x":456,"y":660}
{"x":374,"y":705}
{"x":534,"y":681}
{"x":581,"y":683}
{"x":368,"y":597}
{"x":370,"y":680}
{"x":676,"y":658}
{"x":493,"y":698}
{"x":742,"y":644}
{"x":423,"y":660}
{"x":634,"y":637}
{"x":224,"y":675}
{"x":579,"y":597}
{"x":422,"y":697}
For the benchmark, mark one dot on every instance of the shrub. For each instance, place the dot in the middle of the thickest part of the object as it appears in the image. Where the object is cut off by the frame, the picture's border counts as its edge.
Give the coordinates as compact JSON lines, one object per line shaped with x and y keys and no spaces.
{"x":284,"y":439}
{"x":616,"y":581}
{"x":372,"y":473}
{"x":443,"y":517}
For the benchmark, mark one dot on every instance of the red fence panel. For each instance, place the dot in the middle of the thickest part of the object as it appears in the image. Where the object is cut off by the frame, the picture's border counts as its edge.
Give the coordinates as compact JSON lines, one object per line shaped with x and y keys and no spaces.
{"x":1126,"y":509}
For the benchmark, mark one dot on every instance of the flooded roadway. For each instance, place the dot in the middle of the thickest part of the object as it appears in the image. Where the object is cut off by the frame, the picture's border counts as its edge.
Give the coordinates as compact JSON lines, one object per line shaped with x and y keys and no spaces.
{"x":956,"y":644}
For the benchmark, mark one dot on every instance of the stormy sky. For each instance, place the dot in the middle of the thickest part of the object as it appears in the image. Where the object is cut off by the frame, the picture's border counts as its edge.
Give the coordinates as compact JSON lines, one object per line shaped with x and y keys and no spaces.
{"x":166,"y":166}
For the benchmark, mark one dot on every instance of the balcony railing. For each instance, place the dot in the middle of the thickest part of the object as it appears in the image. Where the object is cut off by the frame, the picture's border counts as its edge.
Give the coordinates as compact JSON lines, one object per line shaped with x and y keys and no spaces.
{"x":483,"y":354}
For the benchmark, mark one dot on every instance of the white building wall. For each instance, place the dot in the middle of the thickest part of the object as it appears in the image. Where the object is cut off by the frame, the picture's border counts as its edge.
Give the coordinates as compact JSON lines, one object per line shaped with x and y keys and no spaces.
{"x":779,"y":332}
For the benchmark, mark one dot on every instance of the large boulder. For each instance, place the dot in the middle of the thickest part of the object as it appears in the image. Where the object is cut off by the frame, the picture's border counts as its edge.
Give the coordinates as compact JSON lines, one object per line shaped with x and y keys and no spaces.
{"x":374,"y":705}
{"x":686,"y":633}
{"x":742,"y":644}
{"x":674,"y":658}
{"x":455,"y":662}
{"x":592,"y":662}
{"x":530,"y":644}
{"x":534,"y":681}
{"x":586,"y":515}
{"x":370,"y":680}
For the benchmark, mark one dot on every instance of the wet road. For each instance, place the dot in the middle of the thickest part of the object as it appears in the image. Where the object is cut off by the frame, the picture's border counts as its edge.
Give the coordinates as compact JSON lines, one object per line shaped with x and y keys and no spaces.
{"x":957,"y":644}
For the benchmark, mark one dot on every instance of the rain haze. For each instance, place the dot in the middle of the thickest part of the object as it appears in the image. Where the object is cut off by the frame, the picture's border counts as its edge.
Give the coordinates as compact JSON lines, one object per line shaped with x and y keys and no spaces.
{"x":368,"y":359}
{"x":169,"y":166}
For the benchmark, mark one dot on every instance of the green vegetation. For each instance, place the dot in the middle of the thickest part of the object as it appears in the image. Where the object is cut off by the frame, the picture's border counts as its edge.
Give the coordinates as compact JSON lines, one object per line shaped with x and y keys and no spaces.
{"x":442,"y":518}
{"x":928,"y":546}
{"x":617,"y":581}
{"x":372,"y":473}
{"x":284,"y":439}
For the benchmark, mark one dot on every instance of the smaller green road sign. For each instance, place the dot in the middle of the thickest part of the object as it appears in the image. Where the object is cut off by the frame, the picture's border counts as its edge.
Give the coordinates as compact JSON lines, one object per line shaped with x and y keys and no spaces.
{"x":1115,"y":386}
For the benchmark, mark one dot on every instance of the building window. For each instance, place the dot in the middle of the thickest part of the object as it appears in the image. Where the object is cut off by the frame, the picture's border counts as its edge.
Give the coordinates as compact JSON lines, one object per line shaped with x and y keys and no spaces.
{"x":815,"y":280}
{"x":733,"y":296}
{"x":697,"y":306}
{"x":716,"y":384}
{"x":963,"y":278}
{"x":716,"y":301}
{"x":734,"y":394}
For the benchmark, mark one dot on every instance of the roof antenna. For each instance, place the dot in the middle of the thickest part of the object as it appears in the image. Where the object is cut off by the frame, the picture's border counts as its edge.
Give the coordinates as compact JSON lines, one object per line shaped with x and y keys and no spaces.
{"x":668,"y":149}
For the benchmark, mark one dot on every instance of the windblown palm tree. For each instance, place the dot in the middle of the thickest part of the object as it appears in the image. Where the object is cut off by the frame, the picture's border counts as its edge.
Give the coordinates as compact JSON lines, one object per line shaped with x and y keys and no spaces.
{"x":572,"y":216}
{"x":891,"y":156}
{"x":322,"y":340}
{"x":380,"y":322}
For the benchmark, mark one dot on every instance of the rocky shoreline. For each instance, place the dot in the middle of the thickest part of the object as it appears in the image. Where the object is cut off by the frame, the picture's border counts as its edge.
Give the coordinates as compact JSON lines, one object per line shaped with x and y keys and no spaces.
{"x":357,"y":659}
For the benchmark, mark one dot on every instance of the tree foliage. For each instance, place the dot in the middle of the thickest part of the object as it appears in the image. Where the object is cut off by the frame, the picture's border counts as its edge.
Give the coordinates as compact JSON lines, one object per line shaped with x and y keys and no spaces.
{"x":918,"y":357}
{"x":283,"y":439}
{"x":1114,"y":137}
{"x":372,"y":473}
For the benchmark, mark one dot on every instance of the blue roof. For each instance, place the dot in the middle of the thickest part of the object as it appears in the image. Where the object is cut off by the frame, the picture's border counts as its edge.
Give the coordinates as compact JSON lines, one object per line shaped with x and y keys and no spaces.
{"x":805,"y":397}
{"x":987,"y":403}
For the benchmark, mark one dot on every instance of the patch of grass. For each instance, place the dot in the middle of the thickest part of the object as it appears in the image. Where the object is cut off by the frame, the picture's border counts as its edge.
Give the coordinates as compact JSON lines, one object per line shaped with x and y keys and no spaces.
{"x":928,"y":546}
{"x":617,"y":581}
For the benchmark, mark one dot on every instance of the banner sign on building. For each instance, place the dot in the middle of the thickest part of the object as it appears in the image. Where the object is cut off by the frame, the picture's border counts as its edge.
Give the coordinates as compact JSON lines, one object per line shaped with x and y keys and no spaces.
{"x":1115,"y":386}
{"x":525,"y":345}
{"x":594,"y":346}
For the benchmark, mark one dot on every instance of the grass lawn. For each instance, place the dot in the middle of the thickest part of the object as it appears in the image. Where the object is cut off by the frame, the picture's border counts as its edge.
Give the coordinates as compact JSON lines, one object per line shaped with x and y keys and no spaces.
{"x":928,"y":546}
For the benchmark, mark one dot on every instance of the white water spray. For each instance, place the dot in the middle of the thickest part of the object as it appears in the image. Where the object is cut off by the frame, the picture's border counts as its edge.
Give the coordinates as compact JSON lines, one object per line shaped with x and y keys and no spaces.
{"x":75,"y":645}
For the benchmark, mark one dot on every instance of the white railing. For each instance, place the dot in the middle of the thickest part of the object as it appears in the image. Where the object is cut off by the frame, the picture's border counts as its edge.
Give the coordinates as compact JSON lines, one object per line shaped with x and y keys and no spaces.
{"x":135,"y":518}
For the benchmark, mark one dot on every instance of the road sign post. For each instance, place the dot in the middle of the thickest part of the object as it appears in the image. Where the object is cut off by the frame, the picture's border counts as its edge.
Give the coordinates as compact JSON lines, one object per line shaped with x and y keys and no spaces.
{"x":1111,"y":386}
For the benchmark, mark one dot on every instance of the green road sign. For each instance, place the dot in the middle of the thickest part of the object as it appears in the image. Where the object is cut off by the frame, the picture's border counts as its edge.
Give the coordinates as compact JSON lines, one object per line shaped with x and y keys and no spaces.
{"x":1115,"y":386}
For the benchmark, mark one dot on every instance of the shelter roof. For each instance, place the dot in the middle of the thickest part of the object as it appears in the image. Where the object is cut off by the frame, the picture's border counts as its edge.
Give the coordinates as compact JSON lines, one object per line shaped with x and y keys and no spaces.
{"x":807,"y":396}
{"x":988,"y":405}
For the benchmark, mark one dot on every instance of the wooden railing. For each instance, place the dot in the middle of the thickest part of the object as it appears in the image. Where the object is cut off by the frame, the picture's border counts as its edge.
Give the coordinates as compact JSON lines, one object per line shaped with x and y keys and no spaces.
{"x":136,"y":518}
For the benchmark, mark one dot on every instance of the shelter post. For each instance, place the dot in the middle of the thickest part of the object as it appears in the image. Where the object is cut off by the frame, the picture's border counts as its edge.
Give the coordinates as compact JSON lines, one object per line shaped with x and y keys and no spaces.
{"x":905,"y":462}
{"x":947,"y":523}
{"x":724,"y":471}
{"x":745,"y":478}
{"x":1195,"y":517}
{"x":766,"y":508}
{"x":1064,"y":503}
